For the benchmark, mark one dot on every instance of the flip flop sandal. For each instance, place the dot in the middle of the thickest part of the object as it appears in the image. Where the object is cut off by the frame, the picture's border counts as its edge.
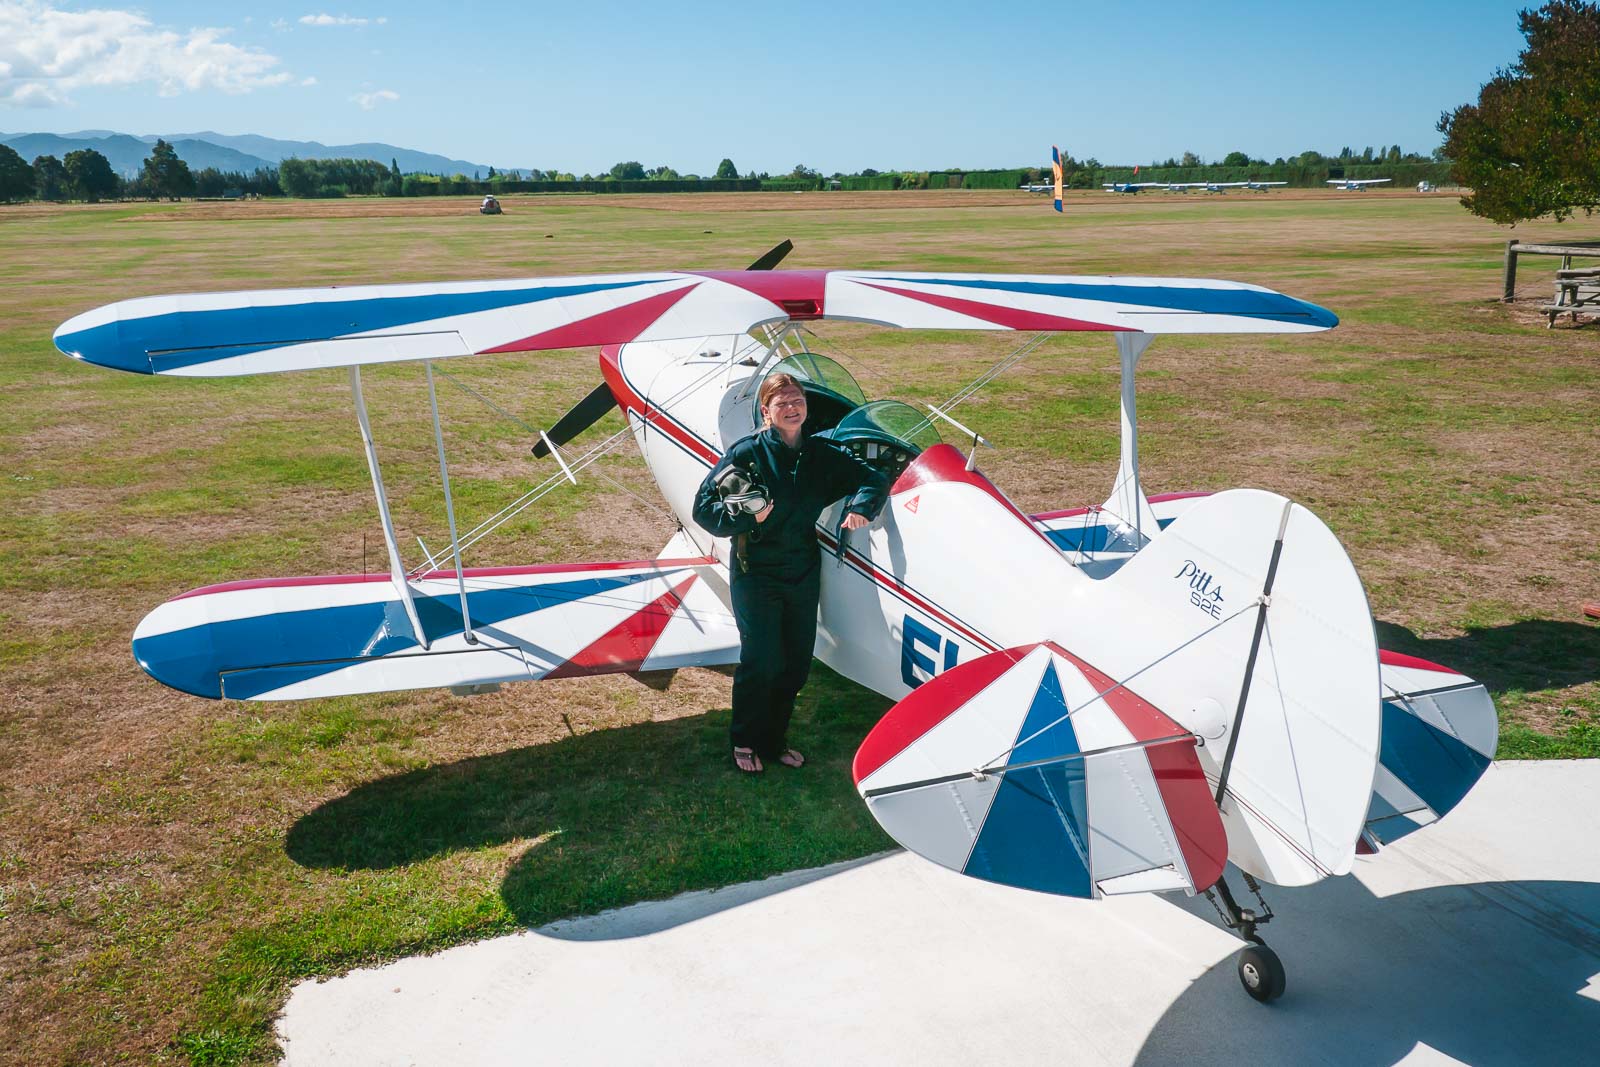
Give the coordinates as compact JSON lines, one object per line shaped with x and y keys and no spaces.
{"x":792,"y":758}
{"x":749,"y":756}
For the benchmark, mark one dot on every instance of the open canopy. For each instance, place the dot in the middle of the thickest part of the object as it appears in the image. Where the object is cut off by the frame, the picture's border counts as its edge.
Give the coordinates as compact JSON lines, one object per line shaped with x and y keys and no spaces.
{"x":225,"y":334}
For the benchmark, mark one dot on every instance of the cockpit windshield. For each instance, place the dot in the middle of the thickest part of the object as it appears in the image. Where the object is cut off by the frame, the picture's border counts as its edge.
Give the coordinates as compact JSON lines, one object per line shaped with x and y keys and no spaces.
{"x":885,"y":433}
{"x":893,"y":419}
{"x":822,"y":373}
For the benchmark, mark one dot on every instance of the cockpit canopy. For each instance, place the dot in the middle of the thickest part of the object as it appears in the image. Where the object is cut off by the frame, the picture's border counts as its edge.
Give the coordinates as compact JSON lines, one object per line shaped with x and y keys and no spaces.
{"x":885,"y":433}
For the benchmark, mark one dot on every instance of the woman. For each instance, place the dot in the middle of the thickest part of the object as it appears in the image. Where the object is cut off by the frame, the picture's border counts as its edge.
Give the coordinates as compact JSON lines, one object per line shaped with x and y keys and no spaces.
{"x":776,"y":566}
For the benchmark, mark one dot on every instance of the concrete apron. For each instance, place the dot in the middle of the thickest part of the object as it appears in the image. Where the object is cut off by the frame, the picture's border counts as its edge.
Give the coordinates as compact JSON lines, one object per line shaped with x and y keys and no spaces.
{"x":1473,"y":941}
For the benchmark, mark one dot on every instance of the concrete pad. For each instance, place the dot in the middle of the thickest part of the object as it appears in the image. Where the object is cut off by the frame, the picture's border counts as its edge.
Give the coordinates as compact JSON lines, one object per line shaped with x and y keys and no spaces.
{"x":1474,"y":941}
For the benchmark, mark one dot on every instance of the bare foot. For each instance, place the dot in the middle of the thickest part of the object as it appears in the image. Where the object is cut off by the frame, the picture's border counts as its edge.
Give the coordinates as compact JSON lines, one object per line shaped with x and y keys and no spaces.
{"x":747,"y":761}
{"x":792,"y":758}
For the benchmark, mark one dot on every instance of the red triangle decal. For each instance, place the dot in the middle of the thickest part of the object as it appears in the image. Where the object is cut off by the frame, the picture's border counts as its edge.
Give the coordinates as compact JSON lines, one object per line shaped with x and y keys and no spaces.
{"x":1013,"y":318}
{"x":911,"y":505}
{"x":617,"y":326}
{"x":624,"y":648}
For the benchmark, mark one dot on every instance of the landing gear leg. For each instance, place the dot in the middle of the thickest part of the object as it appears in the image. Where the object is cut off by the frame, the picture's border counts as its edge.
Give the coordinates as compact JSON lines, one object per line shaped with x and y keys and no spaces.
{"x":1260,"y":971}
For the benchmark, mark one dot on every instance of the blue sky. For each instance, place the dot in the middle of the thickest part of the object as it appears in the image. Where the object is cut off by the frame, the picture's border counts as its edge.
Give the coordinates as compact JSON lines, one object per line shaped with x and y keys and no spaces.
{"x":835,"y":85}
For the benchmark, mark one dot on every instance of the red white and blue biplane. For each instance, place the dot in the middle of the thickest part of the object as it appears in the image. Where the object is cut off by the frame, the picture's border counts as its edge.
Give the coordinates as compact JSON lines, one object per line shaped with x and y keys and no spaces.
{"x":1104,"y":700}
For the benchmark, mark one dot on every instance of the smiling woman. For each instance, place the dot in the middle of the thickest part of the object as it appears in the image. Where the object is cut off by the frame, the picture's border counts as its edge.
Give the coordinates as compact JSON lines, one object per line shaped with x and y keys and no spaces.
{"x":776,"y":574}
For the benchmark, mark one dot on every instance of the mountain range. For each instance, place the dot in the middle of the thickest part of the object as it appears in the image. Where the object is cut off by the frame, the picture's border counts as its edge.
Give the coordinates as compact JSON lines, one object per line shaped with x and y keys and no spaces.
{"x":226,"y":152}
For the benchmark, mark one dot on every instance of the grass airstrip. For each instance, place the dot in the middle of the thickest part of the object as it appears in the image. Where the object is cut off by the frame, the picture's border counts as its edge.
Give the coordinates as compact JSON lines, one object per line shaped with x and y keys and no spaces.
{"x":169,"y":865}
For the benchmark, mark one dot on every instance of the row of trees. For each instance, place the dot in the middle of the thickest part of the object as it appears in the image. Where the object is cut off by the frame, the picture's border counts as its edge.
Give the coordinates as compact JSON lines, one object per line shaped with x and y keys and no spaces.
{"x":87,"y":175}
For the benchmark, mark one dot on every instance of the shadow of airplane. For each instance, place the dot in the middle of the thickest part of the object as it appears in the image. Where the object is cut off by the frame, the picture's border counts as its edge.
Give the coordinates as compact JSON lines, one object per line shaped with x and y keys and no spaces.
{"x":1489,"y":973}
{"x":1529,"y":655}
{"x":620,"y":815}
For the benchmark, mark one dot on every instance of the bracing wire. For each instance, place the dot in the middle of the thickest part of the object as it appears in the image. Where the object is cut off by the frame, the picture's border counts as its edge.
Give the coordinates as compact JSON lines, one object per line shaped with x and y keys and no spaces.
{"x":1122,"y":684}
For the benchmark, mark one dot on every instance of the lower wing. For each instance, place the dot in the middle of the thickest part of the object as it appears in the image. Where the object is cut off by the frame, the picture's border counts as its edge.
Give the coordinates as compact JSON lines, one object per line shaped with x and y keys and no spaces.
{"x":297,"y":638}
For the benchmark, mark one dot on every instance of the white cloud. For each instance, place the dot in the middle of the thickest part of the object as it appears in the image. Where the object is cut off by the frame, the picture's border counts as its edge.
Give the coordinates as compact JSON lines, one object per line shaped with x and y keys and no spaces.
{"x":339,"y":20}
{"x":46,"y":53}
{"x":308,"y":80}
{"x":368,"y":101}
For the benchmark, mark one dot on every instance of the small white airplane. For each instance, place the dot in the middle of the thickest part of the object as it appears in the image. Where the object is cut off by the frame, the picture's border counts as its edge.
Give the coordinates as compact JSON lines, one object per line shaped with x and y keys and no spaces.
{"x":1134,"y":187}
{"x":1355,"y":184}
{"x":1093,"y":701}
{"x":1223,"y":187}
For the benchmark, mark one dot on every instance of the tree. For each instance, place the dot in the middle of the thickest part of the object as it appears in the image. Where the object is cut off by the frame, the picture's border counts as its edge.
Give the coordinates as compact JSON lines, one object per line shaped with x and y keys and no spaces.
{"x":1190,"y":160}
{"x":90,"y":174}
{"x":662,"y":173}
{"x":16,"y":177}
{"x":396,"y":182}
{"x":802,"y":171}
{"x":726,"y":170}
{"x":1236,"y":159}
{"x":1528,"y":147}
{"x":297,"y":177}
{"x":166,"y":174}
{"x":630,"y":171}
{"x":49,"y":178}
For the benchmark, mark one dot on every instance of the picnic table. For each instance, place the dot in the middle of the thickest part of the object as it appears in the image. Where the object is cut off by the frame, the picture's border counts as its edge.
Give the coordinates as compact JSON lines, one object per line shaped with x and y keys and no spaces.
{"x":1577,"y":293}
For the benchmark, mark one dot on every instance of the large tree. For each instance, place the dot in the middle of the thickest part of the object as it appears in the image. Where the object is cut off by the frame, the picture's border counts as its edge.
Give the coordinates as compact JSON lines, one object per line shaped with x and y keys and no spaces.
{"x":630,"y":171}
{"x":166,"y":174}
{"x":16,"y":177}
{"x":49,"y":178}
{"x":90,"y":174}
{"x":1530,"y":146}
{"x":726,"y":169}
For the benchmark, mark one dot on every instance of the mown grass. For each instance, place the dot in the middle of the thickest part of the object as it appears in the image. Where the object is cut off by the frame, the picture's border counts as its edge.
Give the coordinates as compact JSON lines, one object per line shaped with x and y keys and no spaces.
{"x":168,"y":866}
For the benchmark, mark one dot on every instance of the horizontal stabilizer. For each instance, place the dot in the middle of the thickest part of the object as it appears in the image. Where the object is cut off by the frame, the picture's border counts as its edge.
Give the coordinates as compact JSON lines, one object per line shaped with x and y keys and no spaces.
{"x":296,"y":638}
{"x":1029,"y":767}
{"x":1440,"y":730}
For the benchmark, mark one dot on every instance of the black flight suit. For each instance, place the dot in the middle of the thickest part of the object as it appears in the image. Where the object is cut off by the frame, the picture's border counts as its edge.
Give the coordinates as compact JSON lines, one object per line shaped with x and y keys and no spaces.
{"x":776,"y":570}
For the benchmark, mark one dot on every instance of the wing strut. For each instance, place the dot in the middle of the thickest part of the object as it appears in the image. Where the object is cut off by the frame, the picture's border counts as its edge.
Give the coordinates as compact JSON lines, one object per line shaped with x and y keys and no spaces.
{"x":449,"y":505}
{"x":1128,"y":501}
{"x":396,"y":572}
{"x":1264,"y":601}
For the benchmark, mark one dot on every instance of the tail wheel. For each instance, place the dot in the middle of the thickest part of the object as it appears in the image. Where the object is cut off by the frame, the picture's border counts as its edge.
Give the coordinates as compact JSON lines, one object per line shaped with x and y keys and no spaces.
{"x":1261,"y":973}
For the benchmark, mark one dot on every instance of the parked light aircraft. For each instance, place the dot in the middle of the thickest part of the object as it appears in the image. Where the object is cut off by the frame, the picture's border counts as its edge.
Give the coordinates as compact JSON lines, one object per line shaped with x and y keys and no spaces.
{"x":1094,"y":701}
{"x":1223,"y":187}
{"x":1134,"y":187}
{"x":1355,"y":184}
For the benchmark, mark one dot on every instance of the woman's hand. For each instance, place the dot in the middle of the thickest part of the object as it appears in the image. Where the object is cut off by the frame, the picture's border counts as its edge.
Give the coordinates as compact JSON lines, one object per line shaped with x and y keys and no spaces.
{"x":854,"y":521}
{"x":761,"y":516}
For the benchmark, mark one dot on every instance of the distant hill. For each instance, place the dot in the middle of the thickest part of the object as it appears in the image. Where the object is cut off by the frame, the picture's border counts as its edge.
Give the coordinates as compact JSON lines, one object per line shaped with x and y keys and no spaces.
{"x":238,"y":152}
{"x":410,"y":160}
{"x":127,"y":154}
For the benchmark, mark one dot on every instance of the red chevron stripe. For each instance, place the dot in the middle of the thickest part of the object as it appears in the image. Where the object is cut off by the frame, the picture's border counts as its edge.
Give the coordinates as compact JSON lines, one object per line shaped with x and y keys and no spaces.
{"x":617,"y":325}
{"x":1013,"y":318}
{"x":624,"y":648}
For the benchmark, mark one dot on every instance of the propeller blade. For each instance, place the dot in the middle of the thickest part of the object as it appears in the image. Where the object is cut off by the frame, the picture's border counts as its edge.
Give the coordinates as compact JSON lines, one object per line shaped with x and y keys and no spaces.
{"x":588,"y":411}
{"x":774,"y":257}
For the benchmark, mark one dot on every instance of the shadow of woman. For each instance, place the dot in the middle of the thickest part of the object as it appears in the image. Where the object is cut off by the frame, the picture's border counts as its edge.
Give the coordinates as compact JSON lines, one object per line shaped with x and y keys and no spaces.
{"x":620,"y":815}
{"x":1529,"y":655}
{"x":1488,"y":973}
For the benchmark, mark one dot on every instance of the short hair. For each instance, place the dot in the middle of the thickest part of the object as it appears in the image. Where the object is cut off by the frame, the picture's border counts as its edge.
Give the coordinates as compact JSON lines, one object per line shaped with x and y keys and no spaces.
{"x":775,"y":384}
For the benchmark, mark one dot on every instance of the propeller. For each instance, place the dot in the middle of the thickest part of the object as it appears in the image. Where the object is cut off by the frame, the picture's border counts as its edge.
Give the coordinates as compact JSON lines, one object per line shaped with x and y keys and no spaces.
{"x":592,"y":408}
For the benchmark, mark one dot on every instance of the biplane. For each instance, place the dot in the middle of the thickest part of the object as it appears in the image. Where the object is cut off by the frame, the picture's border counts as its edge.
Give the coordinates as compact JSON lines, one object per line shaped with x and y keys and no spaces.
{"x":1102,"y":700}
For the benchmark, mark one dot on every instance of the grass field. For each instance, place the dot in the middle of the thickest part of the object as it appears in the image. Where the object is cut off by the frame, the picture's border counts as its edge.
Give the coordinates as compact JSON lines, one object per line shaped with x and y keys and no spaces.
{"x":169,"y":865}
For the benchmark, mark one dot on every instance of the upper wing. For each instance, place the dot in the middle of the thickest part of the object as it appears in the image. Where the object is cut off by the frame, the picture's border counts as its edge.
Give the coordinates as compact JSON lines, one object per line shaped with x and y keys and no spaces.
{"x":221,"y":334}
{"x":293,"y":638}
